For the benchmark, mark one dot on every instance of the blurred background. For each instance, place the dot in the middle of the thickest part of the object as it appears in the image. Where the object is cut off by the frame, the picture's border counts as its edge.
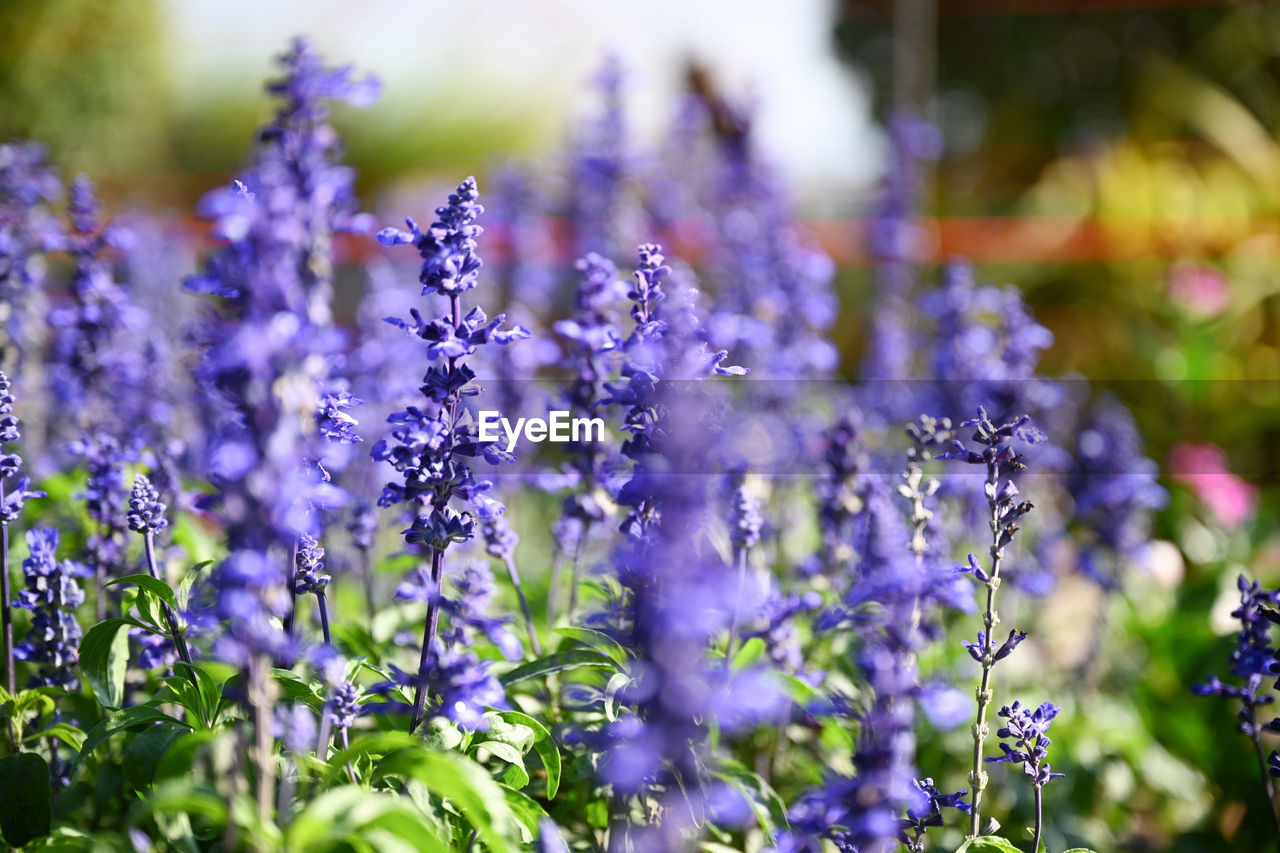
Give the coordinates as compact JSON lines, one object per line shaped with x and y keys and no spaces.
{"x":1118,"y":160}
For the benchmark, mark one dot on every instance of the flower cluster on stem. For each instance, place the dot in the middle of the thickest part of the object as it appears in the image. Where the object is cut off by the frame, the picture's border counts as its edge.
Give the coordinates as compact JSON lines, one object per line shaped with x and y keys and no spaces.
{"x":430,"y":442}
{"x":998,"y":455}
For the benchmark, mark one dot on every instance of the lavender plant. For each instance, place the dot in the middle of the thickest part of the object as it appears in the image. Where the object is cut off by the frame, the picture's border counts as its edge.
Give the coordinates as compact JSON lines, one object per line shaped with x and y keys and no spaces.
{"x":14,"y":492}
{"x":430,"y":444}
{"x":1001,"y":460}
{"x":1252,"y":661}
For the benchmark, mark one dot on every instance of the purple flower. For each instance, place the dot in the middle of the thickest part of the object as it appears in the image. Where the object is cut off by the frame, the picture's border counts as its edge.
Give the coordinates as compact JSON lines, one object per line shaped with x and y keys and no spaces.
{"x":1252,"y":660}
{"x":1029,"y":731}
{"x":95,"y":336}
{"x":52,"y":595}
{"x":28,"y":185}
{"x":146,"y":511}
{"x":1114,"y":490}
{"x":269,"y":354}
{"x":308,"y":571}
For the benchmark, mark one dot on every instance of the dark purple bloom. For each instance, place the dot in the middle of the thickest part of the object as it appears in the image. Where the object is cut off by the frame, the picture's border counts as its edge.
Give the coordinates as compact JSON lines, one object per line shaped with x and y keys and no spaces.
{"x":1252,"y":660}
{"x":308,"y":573}
{"x":1029,"y":731}
{"x":920,"y":820}
{"x":146,"y":511}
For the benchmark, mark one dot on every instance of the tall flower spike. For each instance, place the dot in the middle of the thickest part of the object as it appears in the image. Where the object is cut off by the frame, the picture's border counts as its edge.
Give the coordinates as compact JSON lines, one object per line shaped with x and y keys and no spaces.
{"x":1253,"y":660}
{"x":147,"y":516}
{"x":52,"y":595}
{"x":591,"y":339}
{"x":13,"y":497}
{"x":674,"y":597}
{"x":430,"y":443}
{"x":28,"y":185}
{"x":997,"y":453}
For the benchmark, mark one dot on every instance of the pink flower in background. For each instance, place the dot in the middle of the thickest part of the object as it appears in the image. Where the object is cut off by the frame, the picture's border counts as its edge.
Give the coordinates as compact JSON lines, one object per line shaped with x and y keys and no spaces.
{"x":1203,"y":467}
{"x":1202,"y":289}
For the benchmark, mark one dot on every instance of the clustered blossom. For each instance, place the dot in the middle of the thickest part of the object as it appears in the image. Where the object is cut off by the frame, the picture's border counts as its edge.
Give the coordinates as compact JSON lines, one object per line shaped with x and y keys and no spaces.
{"x":52,"y":595}
{"x":28,"y":229}
{"x":17,"y":493}
{"x":897,"y":243}
{"x":268,"y":357}
{"x":1252,"y":660}
{"x":590,"y":334}
{"x":1029,"y":731}
{"x":105,"y":495}
{"x":146,"y":510}
{"x":1114,"y":490}
{"x":308,"y":573}
{"x":96,"y":368}
{"x":674,"y":594}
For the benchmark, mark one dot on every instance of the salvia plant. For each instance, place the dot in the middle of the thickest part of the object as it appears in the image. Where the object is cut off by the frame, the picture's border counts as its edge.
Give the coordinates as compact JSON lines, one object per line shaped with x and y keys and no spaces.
{"x":286,"y":591}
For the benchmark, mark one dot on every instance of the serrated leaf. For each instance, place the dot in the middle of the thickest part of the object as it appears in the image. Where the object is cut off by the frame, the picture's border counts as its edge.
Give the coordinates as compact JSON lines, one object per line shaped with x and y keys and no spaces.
{"x":988,"y":844}
{"x":25,"y":809}
{"x":104,"y":659}
{"x":543,"y":744}
{"x":599,"y":641}
{"x":556,"y":662}
{"x":143,"y":755}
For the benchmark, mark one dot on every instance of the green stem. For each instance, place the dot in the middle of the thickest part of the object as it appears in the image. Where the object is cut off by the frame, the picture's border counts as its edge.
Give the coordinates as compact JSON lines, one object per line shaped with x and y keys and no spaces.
{"x":170,"y":618}
{"x":524,"y":604}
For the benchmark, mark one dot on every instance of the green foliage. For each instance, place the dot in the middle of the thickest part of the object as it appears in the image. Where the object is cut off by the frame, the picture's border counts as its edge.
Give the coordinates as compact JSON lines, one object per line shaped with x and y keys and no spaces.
{"x":25,"y":811}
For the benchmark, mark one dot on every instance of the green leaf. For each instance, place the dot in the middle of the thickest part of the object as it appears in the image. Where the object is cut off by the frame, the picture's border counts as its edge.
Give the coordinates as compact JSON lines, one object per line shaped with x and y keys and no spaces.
{"x":752,"y":650}
{"x":143,"y":755}
{"x":379,"y":744}
{"x":25,"y":810}
{"x":180,"y":757}
{"x":183,"y":594}
{"x":556,"y":662}
{"x":294,"y":686}
{"x":351,"y":817}
{"x":516,"y":733}
{"x":65,"y":732}
{"x":543,"y":744}
{"x":155,"y":586}
{"x":526,"y":809}
{"x":138,"y":715}
{"x":988,"y":844}
{"x":467,"y":786}
{"x":104,"y":658}
{"x":766,"y":805}
{"x":1078,"y":850}
{"x":599,"y":641}
{"x":611,"y":691}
